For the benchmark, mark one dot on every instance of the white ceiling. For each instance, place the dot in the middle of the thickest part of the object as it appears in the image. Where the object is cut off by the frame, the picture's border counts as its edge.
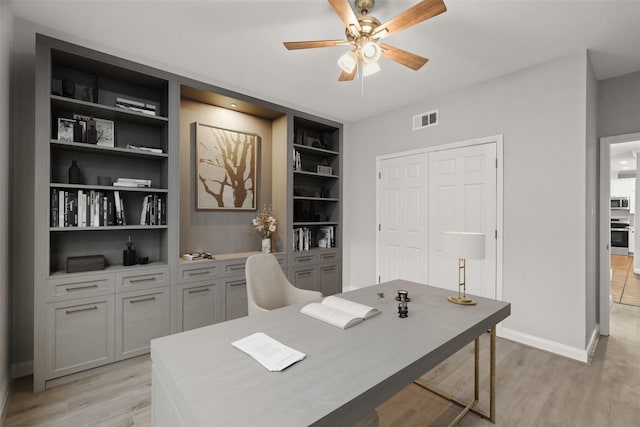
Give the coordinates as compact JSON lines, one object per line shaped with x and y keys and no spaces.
{"x":238,"y":44}
{"x":623,"y":158}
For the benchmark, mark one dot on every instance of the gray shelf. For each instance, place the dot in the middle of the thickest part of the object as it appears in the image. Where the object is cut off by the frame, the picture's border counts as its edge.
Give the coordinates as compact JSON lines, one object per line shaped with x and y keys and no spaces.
{"x":104,"y":111}
{"x":92,"y":148}
{"x":316,"y":199}
{"x":315,"y":174}
{"x":109,"y":188}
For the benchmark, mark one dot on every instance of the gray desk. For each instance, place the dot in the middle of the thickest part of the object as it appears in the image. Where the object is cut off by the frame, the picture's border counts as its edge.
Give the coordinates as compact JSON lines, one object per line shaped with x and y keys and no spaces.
{"x":199,"y":379}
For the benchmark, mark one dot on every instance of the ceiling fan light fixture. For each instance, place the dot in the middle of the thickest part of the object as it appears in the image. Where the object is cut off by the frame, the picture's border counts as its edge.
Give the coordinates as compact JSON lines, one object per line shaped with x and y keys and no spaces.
{"x":348,"y":61}
{"x":370,"y":68}
{"x":371,"y":52}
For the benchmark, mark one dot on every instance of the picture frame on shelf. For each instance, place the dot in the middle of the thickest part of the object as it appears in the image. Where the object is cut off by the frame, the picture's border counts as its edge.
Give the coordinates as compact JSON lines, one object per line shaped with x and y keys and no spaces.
{"x":105,"y":130}
{"x":226,"y":168}
{"x":65,"y":129}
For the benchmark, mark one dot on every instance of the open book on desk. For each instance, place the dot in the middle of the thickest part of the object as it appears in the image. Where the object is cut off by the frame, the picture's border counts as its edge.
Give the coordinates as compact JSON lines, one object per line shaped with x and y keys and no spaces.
{"x":339,"y":311}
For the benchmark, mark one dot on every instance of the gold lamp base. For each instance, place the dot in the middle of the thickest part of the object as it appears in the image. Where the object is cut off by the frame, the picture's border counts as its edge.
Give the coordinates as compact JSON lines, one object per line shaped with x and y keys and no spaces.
{"x":462,"y":300}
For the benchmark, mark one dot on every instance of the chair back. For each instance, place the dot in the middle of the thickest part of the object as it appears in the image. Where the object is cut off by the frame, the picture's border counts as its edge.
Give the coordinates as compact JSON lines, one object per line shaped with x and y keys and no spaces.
{"x":268,"y":287}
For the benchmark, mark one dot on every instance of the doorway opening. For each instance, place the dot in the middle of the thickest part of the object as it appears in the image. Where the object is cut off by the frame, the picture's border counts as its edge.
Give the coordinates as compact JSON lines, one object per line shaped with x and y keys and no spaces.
{"x":619,"y":265}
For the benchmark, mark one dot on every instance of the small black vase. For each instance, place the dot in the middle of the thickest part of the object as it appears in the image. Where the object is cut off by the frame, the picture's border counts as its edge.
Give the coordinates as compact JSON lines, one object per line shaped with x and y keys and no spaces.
{"x":75,"y":176}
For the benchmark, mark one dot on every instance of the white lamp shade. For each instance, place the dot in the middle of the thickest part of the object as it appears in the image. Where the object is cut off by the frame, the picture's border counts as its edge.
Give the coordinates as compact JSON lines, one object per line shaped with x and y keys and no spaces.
{"x":348,"y":61}
{"x":463,"y":244}
{"x":370,"y":68}
{"x":371,"y":52}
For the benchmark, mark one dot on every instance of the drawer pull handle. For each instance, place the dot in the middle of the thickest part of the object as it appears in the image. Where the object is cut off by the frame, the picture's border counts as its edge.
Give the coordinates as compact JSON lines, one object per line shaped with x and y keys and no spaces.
{"x":304,"y":273}
{"x":237,"y":284}
{"x":78,"y":310}
{"x":132,"y":301}
{"x":197,"y":273}
{"x":236,"y":267}
{"x":79,"y":288}
{"x":304,"y":259}
{"x":197,"y":291}
{"x":145,"y":279}
{"x":328,"y":256}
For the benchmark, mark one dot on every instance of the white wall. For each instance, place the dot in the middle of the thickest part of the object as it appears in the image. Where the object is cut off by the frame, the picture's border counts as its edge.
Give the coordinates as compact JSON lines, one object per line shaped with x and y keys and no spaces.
{"x":541,"y":112}
{"x":591,"y":207}
{"x":6,"y":30}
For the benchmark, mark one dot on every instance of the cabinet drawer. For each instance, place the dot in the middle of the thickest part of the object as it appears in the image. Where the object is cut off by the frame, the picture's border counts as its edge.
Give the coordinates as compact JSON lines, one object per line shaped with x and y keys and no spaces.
{"x":140,"y":317}
{"x":199,"y":305}
{"x":79,"y":335}
{"x":234,"y":268}
{"x":328,"y":256}
{"x":65,"y":288}
{"x":197,"y":272}
{"x":304,"y":259}
{"x":142,"y":279}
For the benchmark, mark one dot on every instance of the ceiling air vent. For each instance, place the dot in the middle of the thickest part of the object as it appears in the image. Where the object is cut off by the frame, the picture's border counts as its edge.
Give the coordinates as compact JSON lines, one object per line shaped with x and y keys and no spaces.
{"x":425,"y":120}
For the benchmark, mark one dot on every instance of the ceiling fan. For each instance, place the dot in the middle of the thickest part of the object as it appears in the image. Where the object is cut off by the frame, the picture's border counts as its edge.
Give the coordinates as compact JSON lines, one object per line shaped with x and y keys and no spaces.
{"x":363,"y":32}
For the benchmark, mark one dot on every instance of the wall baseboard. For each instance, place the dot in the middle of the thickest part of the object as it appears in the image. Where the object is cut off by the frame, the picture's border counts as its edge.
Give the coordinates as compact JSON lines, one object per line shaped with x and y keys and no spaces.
{"x":547,"y":345}
{"x":593,"y":342}
{"x":4,"y":399}
{"x":22,"y":369}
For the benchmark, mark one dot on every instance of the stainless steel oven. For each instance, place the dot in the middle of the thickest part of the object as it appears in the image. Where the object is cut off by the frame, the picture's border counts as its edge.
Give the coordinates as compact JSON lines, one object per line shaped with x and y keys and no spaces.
{"x":619,"y":236}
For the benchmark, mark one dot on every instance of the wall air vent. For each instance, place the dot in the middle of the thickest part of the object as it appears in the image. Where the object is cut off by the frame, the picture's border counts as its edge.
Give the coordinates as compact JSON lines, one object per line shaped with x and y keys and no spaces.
{"x":425,"y":120}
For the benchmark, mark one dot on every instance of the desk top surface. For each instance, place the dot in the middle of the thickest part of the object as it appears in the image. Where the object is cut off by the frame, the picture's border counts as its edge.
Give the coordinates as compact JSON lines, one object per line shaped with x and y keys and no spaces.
{"x":346,"y":373}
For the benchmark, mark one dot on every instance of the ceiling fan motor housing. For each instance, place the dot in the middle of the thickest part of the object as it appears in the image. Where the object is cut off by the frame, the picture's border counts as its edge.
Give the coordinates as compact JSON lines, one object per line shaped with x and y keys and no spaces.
{"x":364,"y":6}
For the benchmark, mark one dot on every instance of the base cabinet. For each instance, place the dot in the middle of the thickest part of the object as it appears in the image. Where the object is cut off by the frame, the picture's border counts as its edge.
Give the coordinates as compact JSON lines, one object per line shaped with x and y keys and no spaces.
{"x":235,"y":298}
{"x":140,"y":317}
{"x":316,"y":271}
{"x":199,"y":304}
{"x":79,"y":335}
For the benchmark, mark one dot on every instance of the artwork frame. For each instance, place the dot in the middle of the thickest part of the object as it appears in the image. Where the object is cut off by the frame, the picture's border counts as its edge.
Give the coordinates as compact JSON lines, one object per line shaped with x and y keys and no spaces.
{"x":226,"y":168}
{"x":65,"y":129}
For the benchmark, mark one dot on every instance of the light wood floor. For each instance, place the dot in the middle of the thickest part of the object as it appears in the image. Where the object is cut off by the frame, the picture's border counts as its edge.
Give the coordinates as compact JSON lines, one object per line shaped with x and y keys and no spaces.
{"x":534,"y":388}
{"x":625,"y":284}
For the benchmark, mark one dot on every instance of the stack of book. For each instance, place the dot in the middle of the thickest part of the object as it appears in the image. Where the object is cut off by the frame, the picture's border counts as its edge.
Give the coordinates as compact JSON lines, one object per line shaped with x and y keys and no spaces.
{"x":86,"y":208}
{"x":137,"y":106}
{"x":154,"y":211}
{"x":132,"y":182}
{"x":301,"y":239}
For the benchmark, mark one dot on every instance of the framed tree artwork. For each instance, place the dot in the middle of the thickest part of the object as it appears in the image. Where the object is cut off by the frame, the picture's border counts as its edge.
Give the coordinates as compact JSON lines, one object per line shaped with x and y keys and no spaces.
{"x":226,"y":168}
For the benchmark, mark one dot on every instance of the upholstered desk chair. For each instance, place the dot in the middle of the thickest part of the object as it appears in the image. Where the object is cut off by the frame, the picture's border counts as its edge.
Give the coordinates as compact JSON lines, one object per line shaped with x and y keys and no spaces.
{"x":268,"y":288}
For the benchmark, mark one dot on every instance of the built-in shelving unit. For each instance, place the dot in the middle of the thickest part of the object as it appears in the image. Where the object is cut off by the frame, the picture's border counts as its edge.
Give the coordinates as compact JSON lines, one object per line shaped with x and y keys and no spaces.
{"x":143,"y":119}
{"x":100,"y":313}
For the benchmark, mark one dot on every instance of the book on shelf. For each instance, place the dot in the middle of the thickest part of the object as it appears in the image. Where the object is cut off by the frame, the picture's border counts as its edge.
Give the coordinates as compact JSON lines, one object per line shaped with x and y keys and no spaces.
{"x":132,"y":182}
{"x":53,"y":222}
{"x":152,"y":210}
{"x":137,"y":106}
{"x":339,"y":312}
{"x":81,"y":208}
{"x":143,"y":148}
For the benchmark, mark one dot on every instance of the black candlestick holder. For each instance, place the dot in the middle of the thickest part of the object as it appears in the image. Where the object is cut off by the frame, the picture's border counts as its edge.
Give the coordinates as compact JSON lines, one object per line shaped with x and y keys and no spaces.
{"x":403,"y":310}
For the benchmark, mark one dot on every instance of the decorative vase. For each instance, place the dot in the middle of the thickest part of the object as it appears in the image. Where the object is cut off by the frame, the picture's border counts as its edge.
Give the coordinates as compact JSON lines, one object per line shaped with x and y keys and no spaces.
{"x":75,"y":176}
{"x":266,"y":245}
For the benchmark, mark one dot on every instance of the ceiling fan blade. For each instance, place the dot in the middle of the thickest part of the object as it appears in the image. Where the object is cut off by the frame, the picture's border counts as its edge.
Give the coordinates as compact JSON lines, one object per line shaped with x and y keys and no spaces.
{"x":346,"y":13}
{"x":346,"y":77}
{"x":420,"y":12}
{"x":314,"y":44}
{"x":408,"y":59}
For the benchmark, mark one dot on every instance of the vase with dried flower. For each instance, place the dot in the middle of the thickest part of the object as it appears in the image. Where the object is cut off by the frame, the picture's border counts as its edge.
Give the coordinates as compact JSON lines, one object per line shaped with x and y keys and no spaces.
{"x":265,"y":224}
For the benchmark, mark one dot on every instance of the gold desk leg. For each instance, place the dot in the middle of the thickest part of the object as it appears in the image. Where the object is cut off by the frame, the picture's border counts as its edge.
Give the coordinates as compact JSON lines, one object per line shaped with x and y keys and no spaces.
{"x":492,"y":376}
{"x":476,"y":386}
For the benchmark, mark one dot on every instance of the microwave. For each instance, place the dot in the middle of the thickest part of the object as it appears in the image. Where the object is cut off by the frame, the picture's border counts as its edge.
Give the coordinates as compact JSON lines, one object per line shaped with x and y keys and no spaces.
{"x":619,"y":203}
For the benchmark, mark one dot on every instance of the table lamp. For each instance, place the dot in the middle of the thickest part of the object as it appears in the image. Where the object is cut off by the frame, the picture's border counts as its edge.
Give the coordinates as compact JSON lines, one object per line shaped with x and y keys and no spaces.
{"x":463,"y":245}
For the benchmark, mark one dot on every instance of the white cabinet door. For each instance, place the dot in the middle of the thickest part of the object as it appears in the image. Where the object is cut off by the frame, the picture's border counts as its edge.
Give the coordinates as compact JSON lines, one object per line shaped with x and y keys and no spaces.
{"x":632,"y":240}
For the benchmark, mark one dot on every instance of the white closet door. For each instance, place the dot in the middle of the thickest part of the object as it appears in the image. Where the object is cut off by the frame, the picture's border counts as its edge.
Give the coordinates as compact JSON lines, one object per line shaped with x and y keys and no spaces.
{"x":403,"y":239}
{"x":462,"y":197}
